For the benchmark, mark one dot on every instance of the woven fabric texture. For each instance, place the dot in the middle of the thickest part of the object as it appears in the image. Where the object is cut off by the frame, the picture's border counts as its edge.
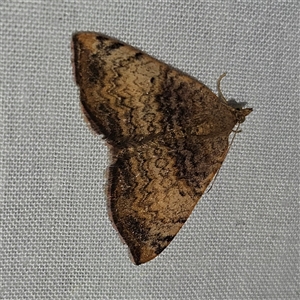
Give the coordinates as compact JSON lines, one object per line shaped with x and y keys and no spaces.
{"x":241,"y":241}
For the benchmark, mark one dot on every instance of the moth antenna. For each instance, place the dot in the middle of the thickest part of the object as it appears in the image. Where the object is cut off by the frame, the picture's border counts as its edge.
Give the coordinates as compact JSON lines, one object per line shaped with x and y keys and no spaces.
{"x":220,"y":94}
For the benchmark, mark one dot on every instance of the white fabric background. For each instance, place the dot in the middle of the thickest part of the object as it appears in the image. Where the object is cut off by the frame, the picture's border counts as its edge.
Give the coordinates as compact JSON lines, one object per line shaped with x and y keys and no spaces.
{"x":241,"y":241}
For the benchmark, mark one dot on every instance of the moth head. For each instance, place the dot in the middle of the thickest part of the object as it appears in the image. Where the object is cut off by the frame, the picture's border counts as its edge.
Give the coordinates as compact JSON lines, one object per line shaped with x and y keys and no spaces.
{"x":241,"y":114}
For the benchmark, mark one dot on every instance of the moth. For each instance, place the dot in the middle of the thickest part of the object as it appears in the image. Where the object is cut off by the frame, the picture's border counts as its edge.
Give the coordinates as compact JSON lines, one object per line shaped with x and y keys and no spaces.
{"x":168,"y":136}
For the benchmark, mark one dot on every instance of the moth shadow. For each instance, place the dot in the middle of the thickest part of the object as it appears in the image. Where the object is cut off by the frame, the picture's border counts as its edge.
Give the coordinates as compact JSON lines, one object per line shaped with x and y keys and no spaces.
{"x":233,"y":103}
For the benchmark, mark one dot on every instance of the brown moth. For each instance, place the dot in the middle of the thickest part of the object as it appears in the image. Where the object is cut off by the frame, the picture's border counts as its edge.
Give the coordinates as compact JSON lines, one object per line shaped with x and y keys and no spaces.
{"x":168,"y":134}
